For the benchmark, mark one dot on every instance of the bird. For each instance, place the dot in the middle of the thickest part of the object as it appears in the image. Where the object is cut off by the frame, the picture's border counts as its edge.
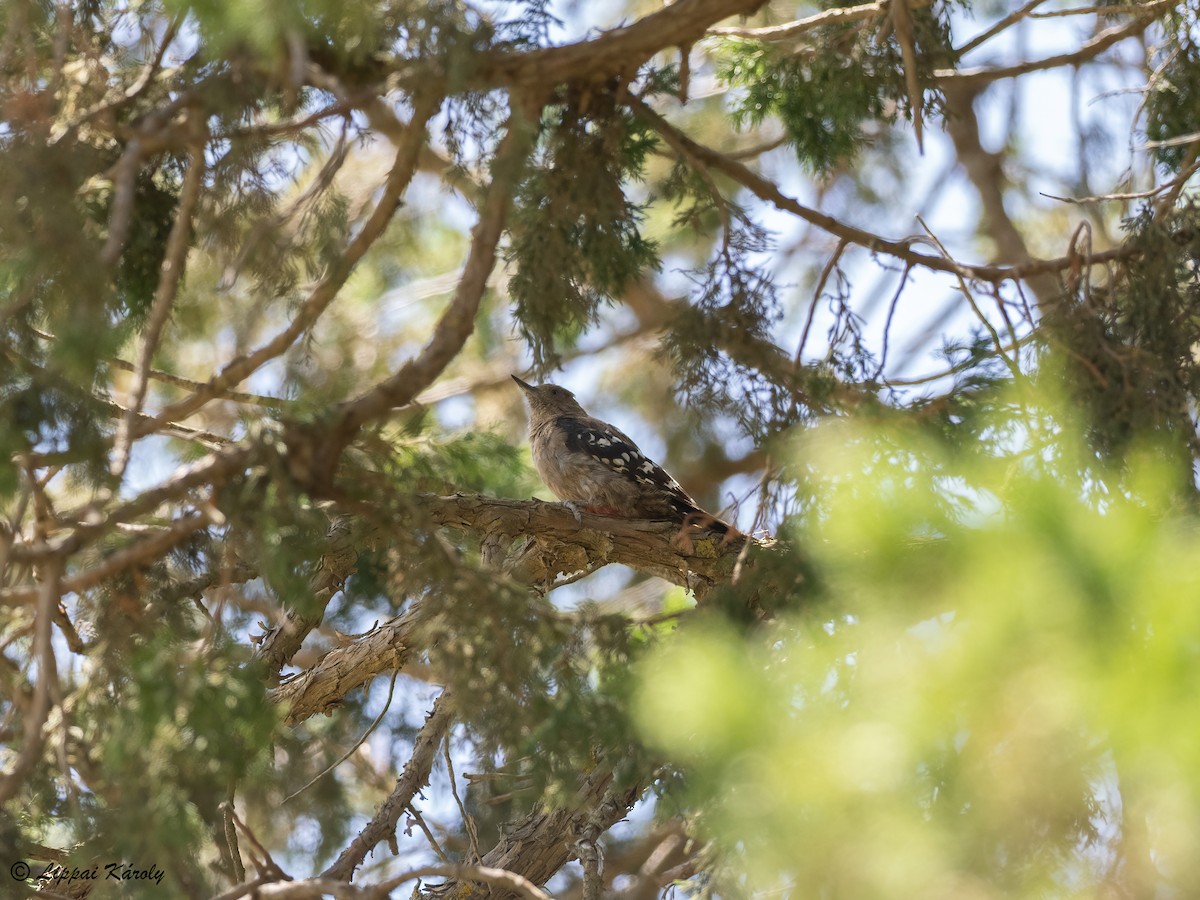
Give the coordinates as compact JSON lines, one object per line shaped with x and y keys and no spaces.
{"x":594,"y":466}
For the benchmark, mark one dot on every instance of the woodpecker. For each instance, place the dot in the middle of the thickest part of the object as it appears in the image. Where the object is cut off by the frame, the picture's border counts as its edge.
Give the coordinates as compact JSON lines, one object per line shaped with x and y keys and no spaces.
{"x":589,"y":464}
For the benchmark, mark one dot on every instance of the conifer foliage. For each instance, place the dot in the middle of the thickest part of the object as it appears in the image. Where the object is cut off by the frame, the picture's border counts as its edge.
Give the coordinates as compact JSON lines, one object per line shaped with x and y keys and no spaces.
{"x":277,"y":615}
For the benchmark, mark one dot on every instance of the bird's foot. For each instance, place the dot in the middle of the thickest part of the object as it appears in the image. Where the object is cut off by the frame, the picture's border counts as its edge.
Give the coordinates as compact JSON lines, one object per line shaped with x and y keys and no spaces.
{"x":576,"y":510}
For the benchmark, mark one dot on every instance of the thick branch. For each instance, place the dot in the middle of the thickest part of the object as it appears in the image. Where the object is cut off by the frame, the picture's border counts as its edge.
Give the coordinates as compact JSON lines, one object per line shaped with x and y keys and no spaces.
{"x":985,"y":170}
{"x":559,"y":545}
{"x":458,"y":322}
{"x":323,"y":687}
{"x":280,"y":644}
{"x":617,"y":52}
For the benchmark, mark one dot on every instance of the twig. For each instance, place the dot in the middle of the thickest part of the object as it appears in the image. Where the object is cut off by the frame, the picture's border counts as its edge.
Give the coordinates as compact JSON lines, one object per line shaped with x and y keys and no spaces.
{"x":1002,"y":25}
{"x":170,"y":275}
{"x":345,"y":756}
{"x":1107,"y":10}
{"x":887,"y":325}
{"x":426,"y":104}
{"x":828,"y":269}
{"x":433,"y":842}
{"x":902,"y":27}
{"x":267,"y":865}
{"x":791,"y":30}
{"x":1089,"y":50}
{"x":701,"y":169}
{"x":179,"y":381}
{"x":918,"y":380}
{"x":193,"y":385}
{"x":143,"y":81}
{"x":901,"y":249}
{"x":1171,"y":142}
{"x":488,"y":875}
{"x":962,"y":283}
{"x":154,"y":546}
{"x":412,"y":779}
{"x":468,"y":819}
{"x":458,"y":322}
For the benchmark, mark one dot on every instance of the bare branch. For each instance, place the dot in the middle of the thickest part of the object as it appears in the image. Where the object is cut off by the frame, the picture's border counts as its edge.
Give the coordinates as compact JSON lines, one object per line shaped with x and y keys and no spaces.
{"x":321,"y":688}
{"x":541,"y":843}
{"x":563,"y":545}
{"x":414,"y":777}
{"x":617,"y":52}
{"x":280,"y":644}
{"x":766,"y":190}
{"x":213,"y":469}
{"x":496,"y":877}
{"x":1087,"y":51}
{"x":152,"y":547}
{"x":902,"y":27}
{"x":1002,"y":25}
{"x":790,"y":30}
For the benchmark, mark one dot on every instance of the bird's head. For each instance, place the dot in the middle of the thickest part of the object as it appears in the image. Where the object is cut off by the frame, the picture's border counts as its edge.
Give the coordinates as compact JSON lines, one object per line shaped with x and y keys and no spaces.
{"x":549,"y":400}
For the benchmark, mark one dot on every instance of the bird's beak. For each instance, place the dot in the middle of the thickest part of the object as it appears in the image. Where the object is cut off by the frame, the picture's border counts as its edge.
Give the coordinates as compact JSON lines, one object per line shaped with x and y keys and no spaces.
{"x":525,"y":386}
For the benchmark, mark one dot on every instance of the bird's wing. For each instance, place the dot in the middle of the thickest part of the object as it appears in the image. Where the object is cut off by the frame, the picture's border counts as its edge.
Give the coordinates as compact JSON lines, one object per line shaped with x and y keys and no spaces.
{"x":618,"y":452}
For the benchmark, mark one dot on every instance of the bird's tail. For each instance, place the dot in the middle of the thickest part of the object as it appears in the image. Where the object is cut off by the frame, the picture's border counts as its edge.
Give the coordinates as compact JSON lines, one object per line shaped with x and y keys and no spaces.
{"x":692,"y":516}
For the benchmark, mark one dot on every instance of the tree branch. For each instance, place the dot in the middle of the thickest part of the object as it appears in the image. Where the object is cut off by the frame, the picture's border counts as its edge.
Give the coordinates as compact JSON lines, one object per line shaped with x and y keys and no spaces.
{"x":170,"y":275}
{"x":790,"y":30}
{"x":405,"y":165}
{"x":39,"y":711}
{"x":323,"y":687}
{"x":902,"y":249}
{"x":458,"y":322}
{"x":544,"y":841}
{"x":558,"y":544}
{"x":983,"y":75}
{"x":414,"y":777}
{"x":612,"y":53}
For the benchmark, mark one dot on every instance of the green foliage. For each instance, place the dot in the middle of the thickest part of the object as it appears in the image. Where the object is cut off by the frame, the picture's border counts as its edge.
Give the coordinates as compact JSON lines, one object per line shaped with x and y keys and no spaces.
{"x":993,"y":681}
{"x":350,"y":32}
{"x":824,"y":92}
{"x":818,"y":101}
{"x":549,"y":693}
{"x":719,"y":345}
{"x":476,"y":461}
{"x":1125,"y":352}
{"x":574,"y":233}
{"x":166,"y":742}
{"x":1172,"y":102}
